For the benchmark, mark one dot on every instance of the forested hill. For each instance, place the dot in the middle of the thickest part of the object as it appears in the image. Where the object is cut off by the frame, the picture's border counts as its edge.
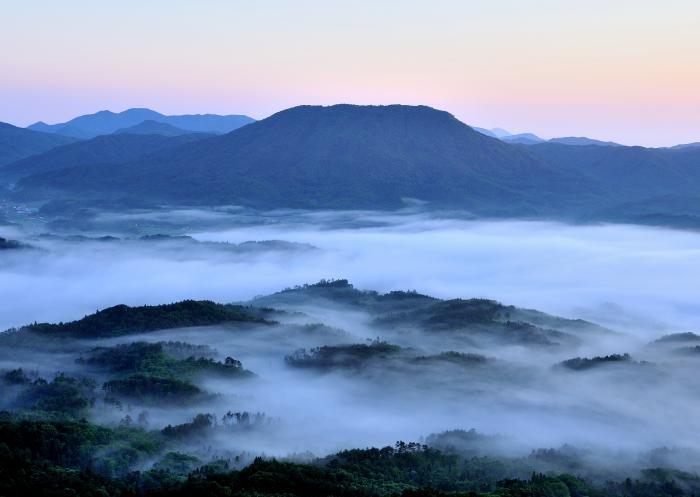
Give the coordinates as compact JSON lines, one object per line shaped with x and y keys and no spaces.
{"x":340,"y":156}
{"x":380,"y":157}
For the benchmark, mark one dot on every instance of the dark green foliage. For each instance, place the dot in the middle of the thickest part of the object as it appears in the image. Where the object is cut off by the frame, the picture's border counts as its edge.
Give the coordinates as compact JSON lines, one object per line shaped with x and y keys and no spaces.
{"x":6,"y":244}
{"x":16,"y":377}
{"x":452,"y":357}
{"x":459,"y":312}
{"x":63,"y":394}
{"x":583,"y":363}
{"x":153,"y":389}
{"x":342,"y":356}
{"x":65,"y":457}
{"x":178,"y":463}
{"x":152,"y":359}
{"x":124,"y":320}
{"x":199,"y":426}
{"x":64,"y":443}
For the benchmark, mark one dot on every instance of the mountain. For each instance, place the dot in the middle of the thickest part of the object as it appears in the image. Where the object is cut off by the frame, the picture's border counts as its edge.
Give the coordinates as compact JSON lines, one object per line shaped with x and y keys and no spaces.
{"x":109,"y":149}
{"x":522,"y":138}
{"x":485,"y":131}
{"x":342,"y":156}
{"x":641,"y":185}
{"x":493,"y":133}
{"x":582,"y":140}
{"x":106,"y":122}
{"x":378,"y":157}
{"x":687,"y":145}
{"x":17,"y":143}
{"x":152,"y":128}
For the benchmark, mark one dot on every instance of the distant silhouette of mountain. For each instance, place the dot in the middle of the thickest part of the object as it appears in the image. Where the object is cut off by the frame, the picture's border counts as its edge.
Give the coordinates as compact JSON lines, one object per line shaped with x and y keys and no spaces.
{"x":687,"y":145}
{"x":522,"y":138}
{"x":106,"y":122}
{"x":532,"y":139}
{"x":493,"y":133}
{"x":153,"y":128}
{"x":17,"y":143}
{"x":341,"y":156}
{"x":485,"y":131}
{"x":500,"y":132}
{"x":346,"y":156}
{"x":582,"y":140}
{"x":109,"y":149}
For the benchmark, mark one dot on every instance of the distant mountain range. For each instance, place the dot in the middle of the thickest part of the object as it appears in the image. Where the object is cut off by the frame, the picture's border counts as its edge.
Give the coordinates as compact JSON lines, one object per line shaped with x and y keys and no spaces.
{"x":152,"y":128}
{"x":341,"y":156}
{"x":106,"y":122}
{"x":105,"y":150}
{"x":18,"y":143}
{"x":371,"y":157}
{"x":532,"y":139}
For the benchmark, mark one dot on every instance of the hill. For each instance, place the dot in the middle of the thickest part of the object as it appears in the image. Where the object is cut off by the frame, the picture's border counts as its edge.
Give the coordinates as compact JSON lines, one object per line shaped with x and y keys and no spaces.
{"x":152,"y":128}
{"x":341,"y":156}
{"x":522,"y":138}
{"x":582,"y":140}
{"x":17,"y":143}
{"x":106,"y":122}
{"x":110,"y":149}
{"x":378,"y":157}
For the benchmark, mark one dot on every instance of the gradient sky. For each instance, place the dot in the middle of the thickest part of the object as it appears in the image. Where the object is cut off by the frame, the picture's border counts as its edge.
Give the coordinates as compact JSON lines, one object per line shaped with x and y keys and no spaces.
{"x":621,"y":70}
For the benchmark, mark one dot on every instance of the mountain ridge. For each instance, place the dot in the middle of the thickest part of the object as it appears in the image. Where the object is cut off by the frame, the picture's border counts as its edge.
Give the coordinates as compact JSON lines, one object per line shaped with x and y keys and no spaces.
{"x":106,"y":122}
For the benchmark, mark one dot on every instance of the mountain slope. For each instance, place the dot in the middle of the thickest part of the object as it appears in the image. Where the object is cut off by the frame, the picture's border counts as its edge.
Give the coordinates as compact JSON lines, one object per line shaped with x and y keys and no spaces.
{"x":341,"y":156}
{"x":152,"y":128}
{"x":106,"y":122}
{"x":109,"y":149}
{"x":17,"y":143}
{"x":522,"y":138}
{"x":582,"y":140}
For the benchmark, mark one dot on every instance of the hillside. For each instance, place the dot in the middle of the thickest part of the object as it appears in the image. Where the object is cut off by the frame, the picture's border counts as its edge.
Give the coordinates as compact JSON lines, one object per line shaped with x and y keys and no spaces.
{"x":152,"y":128}
{"x":106,"y":122}
{"x":110,"y":149}
{"x":341,"y":156}
{"x":18,"y":143}
{"x":378,"y":157}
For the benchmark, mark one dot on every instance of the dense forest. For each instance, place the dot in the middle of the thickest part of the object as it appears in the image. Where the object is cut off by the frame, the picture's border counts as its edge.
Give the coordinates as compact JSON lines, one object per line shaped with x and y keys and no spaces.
{"x":174,"y":400}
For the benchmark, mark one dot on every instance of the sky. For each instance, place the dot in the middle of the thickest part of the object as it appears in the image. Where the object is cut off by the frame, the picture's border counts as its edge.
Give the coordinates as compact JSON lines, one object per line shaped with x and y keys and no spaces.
{"x":620,"y":70}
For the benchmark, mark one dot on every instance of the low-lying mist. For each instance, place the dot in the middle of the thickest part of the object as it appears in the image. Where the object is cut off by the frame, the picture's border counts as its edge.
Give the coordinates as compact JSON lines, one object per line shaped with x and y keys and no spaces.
{"x":412,"y":374}
{"x":626,"y":276}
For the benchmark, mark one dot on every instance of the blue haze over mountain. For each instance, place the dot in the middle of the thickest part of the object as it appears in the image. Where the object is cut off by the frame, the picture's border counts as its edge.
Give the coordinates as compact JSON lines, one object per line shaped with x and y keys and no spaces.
{"x":107,"y":122}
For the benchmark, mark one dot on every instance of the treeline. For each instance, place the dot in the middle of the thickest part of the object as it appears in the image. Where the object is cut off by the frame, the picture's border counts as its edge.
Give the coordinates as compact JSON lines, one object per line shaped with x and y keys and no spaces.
{"x":123,"y":320}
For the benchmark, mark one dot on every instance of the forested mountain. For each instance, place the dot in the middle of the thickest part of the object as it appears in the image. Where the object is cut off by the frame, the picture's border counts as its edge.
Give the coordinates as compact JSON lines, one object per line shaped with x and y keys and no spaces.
{"x":105,"y":150}
{"x":134,"y":400}
{"x":17,"y":143}
{"x":378,"y":157}
{"x":153,"y":128}
{"x":340,"y":157}
{"x":106,"y":122}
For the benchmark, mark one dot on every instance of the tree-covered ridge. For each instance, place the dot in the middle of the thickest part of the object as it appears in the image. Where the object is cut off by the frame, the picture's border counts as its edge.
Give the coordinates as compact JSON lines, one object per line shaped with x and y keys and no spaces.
{"x":383,"y":355}
{"x":125,"y":320}
{"x":156,"y":359}
{"x":675,"y":338}
{"x":151,"y":389}
{"x":411,"y":310}
{"x":342,"y":356}
{"x":7,"y":244}
{"x":584,"y":363}
{"x":59,"y":458}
